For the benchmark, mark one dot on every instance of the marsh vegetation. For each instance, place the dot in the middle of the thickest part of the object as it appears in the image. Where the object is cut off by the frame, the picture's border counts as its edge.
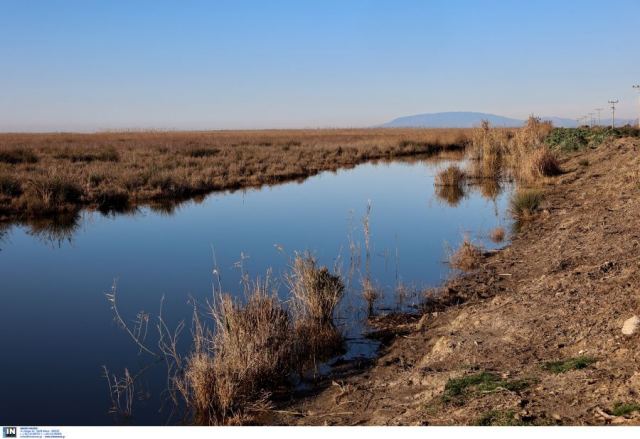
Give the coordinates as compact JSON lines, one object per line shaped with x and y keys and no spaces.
{"x":46,"y":174}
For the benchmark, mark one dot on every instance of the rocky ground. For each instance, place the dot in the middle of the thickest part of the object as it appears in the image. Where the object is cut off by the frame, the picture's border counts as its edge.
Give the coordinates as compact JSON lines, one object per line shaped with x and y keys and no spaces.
{"x":483,"y":353}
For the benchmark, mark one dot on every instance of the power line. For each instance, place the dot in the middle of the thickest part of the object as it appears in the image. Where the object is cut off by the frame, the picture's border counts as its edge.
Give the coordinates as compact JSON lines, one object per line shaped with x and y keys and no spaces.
{"x":599,"y":110}
{"x":637,"y":87}
{"x":613,"y":112}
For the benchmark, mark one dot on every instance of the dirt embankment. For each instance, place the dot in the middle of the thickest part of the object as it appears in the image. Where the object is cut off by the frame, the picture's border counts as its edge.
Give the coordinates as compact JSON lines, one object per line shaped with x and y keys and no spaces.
{"x":560,"y":292}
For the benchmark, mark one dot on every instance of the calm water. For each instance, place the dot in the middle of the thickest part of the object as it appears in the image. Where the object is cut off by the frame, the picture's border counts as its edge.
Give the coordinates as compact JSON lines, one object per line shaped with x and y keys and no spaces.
{"x":57,"y":329}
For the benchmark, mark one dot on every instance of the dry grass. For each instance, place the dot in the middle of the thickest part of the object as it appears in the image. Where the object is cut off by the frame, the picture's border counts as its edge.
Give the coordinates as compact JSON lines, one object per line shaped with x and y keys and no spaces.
{"x":451,"y":176}
{"x":519,"y":151}
{"x":498,"y":234}
{"x":256,"y":345}
{"x":114,"y":169}
{"x":229,"y":372}
{"x":450,"y":185}
{"x":316,"y":293}
{"x":525,"y":202}
{"x":467,"y":257}
{"x":541,"y":162}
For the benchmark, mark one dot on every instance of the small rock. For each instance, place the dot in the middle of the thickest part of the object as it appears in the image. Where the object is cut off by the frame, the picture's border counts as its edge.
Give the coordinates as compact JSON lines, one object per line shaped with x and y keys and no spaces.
{"x":630,"y":325}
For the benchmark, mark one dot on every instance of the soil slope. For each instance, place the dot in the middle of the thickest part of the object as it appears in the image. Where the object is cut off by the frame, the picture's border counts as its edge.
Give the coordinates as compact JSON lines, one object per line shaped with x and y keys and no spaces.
{"x":561,"y":290}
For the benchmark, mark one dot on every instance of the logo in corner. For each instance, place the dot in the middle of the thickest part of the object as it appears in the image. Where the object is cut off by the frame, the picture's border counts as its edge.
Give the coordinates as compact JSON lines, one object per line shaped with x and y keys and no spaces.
{"x":9,"y":432}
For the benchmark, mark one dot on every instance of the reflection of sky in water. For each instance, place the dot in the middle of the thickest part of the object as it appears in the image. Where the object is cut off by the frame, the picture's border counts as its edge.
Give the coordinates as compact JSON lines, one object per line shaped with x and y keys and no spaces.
{"x":57,"y":329}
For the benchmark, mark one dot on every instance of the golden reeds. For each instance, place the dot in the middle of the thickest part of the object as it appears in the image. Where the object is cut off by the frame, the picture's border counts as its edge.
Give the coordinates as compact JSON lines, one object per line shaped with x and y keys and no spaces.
{"x":154,"y":166}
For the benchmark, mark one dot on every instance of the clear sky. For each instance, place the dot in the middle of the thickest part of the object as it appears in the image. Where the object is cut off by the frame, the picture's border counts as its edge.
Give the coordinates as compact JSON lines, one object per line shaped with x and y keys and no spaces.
{"x":86,"y":65}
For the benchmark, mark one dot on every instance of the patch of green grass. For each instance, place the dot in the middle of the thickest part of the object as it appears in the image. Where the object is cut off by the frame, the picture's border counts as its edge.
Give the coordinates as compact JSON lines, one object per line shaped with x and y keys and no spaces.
{"x":575,"y":139}
{"x":563,"y":366}
{"x":456,"y":389}
{"x":624,"y":409}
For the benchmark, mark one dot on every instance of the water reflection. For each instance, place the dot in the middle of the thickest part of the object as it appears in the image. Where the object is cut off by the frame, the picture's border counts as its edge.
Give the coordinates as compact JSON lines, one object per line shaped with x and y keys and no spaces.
{"x":451,"y":194}
{"x":54,"y":231}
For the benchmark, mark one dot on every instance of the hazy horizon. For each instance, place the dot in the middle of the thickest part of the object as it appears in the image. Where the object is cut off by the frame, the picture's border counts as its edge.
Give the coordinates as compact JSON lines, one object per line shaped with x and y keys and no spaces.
{"x":78,"y":66}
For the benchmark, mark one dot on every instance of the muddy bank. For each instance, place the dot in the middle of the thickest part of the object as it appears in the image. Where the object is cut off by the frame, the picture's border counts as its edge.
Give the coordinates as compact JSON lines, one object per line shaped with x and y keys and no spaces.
{"x":533,"y":337}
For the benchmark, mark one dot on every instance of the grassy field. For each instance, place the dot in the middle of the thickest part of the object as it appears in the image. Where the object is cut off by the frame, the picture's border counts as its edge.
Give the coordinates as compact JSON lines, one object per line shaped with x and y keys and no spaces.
{"x":46,"y":174}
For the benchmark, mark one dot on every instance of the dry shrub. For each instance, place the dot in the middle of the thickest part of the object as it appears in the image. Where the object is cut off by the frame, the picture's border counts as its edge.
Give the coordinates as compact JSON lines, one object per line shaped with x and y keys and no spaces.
{"x":450,"y":185}
{"x":467,"y":257}
{"x":9,"y":186}
{"x":541,"y":162}
{"x":532,"y":135}
{"x":525,"y":202}
{"x":497,"y":234}
{"x":230,"y":372}
{"x":17,"y":155}
{"x":370,"y":295}
{"x":522,"y":151}
{"x":257,"y":344}
{"x":51,"y":192}
{"x":451,"y":176}
{"x":316,"y":294}
{"x":488,"y":146}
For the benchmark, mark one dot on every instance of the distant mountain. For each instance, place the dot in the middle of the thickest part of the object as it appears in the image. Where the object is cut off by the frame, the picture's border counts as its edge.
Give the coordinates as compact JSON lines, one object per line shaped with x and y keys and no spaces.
{"x":451,"y":119}
{"x":469,"y":119}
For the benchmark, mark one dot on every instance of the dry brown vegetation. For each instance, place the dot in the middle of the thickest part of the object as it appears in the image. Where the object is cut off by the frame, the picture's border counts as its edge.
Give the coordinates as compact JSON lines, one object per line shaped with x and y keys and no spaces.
{"x":450,"y":176}
{"x":252,"y":348}
{"x":519,"y":153}
{"x":498,"y":234}
{"x":43,"y":174}
{"x":467,"y":257}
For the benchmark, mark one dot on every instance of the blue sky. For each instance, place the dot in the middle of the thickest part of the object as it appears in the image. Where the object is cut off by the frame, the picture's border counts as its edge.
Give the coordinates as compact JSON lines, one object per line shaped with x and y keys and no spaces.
{"x":85,"y":65}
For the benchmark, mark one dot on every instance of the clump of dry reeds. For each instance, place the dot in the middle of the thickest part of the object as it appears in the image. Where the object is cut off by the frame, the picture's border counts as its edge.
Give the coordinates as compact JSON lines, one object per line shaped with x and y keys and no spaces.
{"x":521,"y":151}
{"x":254,"y":346}
{"x":316,"y":293}
{"x":451,"y":176}
{"x":541,"y":162}
{"x":450,"y":184}
{"x":528,"y":157}
{"x":231,"y":370}
{"x":525,"y":202}
{"x":498,"y":234}
{"x":370,"y":295}
{"x":467,"y":257}
{"x":488,"y":145}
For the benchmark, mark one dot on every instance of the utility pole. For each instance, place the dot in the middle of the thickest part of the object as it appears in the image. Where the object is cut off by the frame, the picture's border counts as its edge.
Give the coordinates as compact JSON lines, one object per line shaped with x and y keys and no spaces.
{"x":591,"y":120}
{"x":613,"y":112}
{"x":599,"y":110}
{"x":637,"y":88}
